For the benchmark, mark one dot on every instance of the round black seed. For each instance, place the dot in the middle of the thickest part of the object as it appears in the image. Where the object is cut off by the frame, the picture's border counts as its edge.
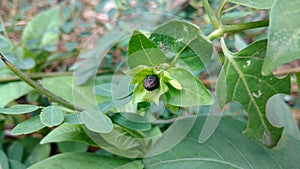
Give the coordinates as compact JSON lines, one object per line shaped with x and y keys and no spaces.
{"x":151,"y":82}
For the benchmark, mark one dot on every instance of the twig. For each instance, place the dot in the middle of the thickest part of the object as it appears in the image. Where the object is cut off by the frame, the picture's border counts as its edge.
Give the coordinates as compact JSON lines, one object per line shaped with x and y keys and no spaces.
{"x":245,"y":26}
{"x":236,"y":28}
{"x":220,"y":9}
{"x":210,"y":14}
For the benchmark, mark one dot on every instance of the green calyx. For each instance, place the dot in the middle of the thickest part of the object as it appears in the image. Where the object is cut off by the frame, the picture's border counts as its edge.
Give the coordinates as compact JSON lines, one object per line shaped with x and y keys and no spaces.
{"x":139,"y":73}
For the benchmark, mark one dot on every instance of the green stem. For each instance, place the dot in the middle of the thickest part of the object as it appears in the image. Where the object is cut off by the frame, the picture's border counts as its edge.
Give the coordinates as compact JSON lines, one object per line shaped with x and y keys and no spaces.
{"x":216,"y":33}
{"x":245,"y":26}
{"x":220,"y":9}
{"x":231,"y":8}
{"x":236,"y":28}
{"x":211,"y":15}
{"x":38,"y":87}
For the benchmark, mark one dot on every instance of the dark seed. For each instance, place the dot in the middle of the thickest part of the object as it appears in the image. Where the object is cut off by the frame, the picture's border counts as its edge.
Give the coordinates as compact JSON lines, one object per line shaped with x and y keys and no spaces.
{"x":151,"y":82}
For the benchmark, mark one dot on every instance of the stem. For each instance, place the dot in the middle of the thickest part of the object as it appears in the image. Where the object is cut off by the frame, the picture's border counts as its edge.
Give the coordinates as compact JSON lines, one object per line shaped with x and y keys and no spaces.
{"x":220,"y":9}
{"x":245,"y":26}
{"x":44,"y":75}
{"x":38,"y":87}
{"x":216,"y":33}
{"x":211,"y":15}
{"x":236,"y":28}
{"x":231,"y":8}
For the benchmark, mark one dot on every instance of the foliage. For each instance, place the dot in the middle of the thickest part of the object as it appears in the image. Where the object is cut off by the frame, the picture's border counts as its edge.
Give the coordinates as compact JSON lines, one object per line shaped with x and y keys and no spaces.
{"x":102,"y":116}
{"x":241,"y":85}
{"x":225,"y":149}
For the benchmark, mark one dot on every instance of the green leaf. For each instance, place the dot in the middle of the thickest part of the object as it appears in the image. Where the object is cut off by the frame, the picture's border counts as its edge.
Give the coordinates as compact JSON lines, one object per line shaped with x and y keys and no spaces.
{"x":5,"y":44}
{"x":96,"y":121}
{"x":298,"y":80}
{"x":38,"y":153}
{"x":72,"y":118}
{"x":25,"y":64}
{"x":52,"y":116}
{"x":132,"y":165}
{"x":123,"y":142}
{"x":142,"y":51}
{"x":183,"y":40}
{"x":15,"y":151}
{"x":68,"y":132}
{"x":71,"y":146}
{"x":3,"y":160}
{"x":241,"y":80}
{"x":43,"y":28}
{"x":76,"y":160}
{"x":194,"y":93}
{"x":28,"y":143}
{"x":101,"y":5}
{"x":259,"y":4}
{"x":283,"y":35}
{"x":12,"y":91}
{"x":131,"y":124}
{"x":226,"y":148}
{"x":29,"y":126}
{"x":13,"y":164}
{"x":105,"y":106}
{"x":104,"y":89}
{"x":71,"y":46}
{"x":67,"y":27}
{"x":82,"y":95}
{"x":2,"y":133}
{"x":239,"y":42}
{"x":19,"y":109}
{"x":280,"y":114}
{"x":64,"y":89}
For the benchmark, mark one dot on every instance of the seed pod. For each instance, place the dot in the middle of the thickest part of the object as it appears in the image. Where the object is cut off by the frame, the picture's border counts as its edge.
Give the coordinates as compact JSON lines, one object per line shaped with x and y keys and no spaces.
{"x":151,"y":82}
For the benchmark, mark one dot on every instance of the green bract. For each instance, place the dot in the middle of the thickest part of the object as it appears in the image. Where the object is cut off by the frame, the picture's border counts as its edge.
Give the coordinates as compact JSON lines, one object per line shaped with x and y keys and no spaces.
{"x":140,"y":94}
{"x":172,"y":53}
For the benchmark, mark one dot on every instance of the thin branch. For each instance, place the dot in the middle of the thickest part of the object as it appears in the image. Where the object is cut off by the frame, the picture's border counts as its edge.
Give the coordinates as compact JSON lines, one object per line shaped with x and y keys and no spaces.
{"x":216,"y":33}
{"x":245,"y":26}
{"x":220,"y":9}
{"x":231,"y":8}
{"x":236,"y":28}
{"x":211,"y":15}
{"x":38,"y":87}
